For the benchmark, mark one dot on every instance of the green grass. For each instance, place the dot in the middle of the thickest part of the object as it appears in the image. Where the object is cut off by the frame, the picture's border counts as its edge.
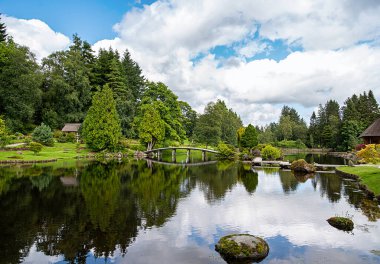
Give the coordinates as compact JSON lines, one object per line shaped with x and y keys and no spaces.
{"x":60,"y":151}
{"x":369,"y":176}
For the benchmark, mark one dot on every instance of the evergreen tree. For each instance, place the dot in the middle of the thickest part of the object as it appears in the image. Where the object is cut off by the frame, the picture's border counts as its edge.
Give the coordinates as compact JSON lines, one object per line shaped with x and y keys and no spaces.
{"x":3,"y":31}
{"x":4,"y":139}
{"x":189,"y":117}
{"x":249,"y":138}
{"x":101,"y":128}
{"x":151,"y":128}
{"x":134,"y":79}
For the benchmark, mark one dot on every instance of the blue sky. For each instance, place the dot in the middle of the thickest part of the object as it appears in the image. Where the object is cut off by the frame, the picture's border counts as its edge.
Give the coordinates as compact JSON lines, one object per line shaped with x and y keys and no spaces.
{"x":256,"y":55}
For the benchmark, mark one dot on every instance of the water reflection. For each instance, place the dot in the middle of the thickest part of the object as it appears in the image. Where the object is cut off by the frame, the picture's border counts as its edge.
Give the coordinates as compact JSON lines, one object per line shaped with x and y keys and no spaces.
{"x":132,"y":212}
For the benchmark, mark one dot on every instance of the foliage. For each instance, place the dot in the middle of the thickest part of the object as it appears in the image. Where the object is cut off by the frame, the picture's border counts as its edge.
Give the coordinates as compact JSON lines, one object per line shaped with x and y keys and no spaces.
{"x":189,"y":117}
{"x":270,"y":153}
{"x":370,"y":154}
{"x":249,"y":137}
{"x":290,"y":144}
{"x":4,"y":137}
{"x":226,"y":151}
{"x":20,"y":82}
{"x":35,"y":147}
{"x":43,"y":134}
{"x":3,"y":31}
{"x":101,"y":127}
{"x":152,"y":127}
{"x":218,"y":123}
{"x":360,"y":147}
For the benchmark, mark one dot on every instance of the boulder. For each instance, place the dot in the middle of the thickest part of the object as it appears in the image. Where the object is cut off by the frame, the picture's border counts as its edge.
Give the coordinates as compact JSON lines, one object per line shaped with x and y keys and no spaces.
{"x":242,"y":247}
{"x":341,"y":223}
{"x":302,"y":166}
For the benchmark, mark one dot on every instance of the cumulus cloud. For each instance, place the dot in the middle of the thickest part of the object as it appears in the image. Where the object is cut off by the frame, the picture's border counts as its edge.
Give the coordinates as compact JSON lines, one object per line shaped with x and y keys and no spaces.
{"x":166,"y":36}
{"x":35,"y":34}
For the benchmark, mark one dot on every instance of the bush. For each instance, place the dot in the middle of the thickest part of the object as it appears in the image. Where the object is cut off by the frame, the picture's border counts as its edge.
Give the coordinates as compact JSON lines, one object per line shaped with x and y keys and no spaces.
{"x":226,"y":151}
{"x":42,"y":134}
{"x":291,"y":144}
{"x":370,"y":154}
{"x":260,"y":146}
{"x":35,"y":147}
{"x":270,"y":153}
{"x":359,"y":147}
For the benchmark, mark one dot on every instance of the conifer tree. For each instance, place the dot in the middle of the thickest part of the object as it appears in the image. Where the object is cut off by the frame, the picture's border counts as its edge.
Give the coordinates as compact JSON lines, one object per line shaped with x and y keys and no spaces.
{"x":101,"y":128}
{"x":249,"y":138}
{"x":3,"y":31}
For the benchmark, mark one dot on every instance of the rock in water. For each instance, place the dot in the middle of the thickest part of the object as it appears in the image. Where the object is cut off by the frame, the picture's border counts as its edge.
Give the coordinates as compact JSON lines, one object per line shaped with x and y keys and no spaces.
{"x":242,"y":247}
{"x":341,"y":223}
{"x":302,"y":166}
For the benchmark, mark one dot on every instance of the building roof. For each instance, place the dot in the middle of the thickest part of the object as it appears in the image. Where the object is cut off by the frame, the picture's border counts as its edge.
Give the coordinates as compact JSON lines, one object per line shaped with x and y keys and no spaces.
{"x":71,"y":127}
{"x":373,"y":130}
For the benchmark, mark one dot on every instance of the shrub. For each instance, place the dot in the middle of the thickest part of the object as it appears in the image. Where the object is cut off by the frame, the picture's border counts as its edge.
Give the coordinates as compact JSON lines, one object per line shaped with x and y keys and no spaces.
{"x":226,"y":151}
{"x":35,"y":147}
{"x":291,"y":144}
{"x":42,"y":134}
{"x":57,"y":134}
{"x":370,"y":154}
{"x":260,"y":146}
{"x":270,"y":153}
{"x":359,"y":147}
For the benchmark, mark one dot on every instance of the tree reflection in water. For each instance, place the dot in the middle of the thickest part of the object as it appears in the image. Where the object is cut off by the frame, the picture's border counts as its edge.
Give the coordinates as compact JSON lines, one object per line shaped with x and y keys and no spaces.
{"x":112,"y":202}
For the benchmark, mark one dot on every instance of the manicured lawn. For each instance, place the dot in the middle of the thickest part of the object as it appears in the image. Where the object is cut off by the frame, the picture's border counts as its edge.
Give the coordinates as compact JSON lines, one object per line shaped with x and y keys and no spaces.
{"x":370,"y":176}
{"x":59,"y":151}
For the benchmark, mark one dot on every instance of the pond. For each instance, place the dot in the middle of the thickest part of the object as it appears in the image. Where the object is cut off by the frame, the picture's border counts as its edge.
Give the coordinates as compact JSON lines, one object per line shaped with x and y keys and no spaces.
{"x":144,"y":212}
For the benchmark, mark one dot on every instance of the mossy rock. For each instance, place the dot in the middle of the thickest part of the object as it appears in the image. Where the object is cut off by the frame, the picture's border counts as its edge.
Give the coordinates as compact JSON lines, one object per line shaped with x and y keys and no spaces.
{"x":242,"y":247}
{"x":302,"y":166}
{"x":341,"y":223}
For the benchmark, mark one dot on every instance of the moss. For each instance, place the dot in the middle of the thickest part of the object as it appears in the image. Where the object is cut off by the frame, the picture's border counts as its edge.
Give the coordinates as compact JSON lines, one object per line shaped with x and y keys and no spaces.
{"x":341,"y":223}
{"x":231,"y":249}
{"x":302,"y":165}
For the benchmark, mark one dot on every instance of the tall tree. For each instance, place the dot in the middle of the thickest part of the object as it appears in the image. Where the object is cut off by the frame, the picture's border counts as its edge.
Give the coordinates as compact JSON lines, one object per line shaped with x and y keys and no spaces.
{"x":101,"y":128}
{"x":189,"y":117}
{"x":134,"y":79}
{"x":3,"y":31}
{"x":152,"y":127}
{"x":20,"y":81}
{"x":249,"y":138}
{"x":166,"y":103}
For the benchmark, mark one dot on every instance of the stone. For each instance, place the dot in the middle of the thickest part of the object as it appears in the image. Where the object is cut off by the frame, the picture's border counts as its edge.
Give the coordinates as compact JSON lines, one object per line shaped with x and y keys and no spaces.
{"x":302,"y":166}
{"x":341,"y":223}
{"x":242,"y":247}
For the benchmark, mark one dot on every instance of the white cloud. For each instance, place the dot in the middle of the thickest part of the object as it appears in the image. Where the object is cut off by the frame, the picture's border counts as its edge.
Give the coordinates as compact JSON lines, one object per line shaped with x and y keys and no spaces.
{"x":36,"y":35}
{"x":165,"y":36}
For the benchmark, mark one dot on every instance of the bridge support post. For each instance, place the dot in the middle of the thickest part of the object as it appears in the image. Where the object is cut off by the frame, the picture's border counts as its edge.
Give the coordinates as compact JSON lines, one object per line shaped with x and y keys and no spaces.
{"x":203,"y":155}
{"x":173,"y":155}
{"x":159,"y":155}
{"x":188,"y":156}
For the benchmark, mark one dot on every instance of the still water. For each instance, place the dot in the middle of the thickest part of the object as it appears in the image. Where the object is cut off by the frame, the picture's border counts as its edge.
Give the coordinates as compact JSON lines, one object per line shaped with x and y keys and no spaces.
{"x":144,"y":212}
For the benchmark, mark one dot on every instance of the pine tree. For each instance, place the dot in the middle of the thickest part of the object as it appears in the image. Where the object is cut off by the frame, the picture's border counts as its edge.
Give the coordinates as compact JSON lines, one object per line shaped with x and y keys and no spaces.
{"x":151,"y":127}
{"x":133,"y":75}
{"x":3,"y":31}
{"x":101,"y":128}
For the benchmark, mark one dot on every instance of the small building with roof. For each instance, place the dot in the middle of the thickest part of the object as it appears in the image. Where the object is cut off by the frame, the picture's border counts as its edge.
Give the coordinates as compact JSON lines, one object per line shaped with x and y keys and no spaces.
{"x":372,"y":134}
{"x":72,"y":128}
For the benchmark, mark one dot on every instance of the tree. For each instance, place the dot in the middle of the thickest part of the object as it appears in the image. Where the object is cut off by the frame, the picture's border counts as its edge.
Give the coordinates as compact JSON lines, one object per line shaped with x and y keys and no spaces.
{"x":218,"y":123}
{"x":152,"y":127}
{"x":3,"y":31}
{"x":101,"y":127}
{"x":4,"y":139}
{"x":189,"y":117}
{"x":42,"y":134}
{"x":20,"y":82}
{"x":66,"y":87}
{"x":249,"y":138}
{"x":166,"y":103}
{"x":134,"y":79}
{"x":285,"y":127}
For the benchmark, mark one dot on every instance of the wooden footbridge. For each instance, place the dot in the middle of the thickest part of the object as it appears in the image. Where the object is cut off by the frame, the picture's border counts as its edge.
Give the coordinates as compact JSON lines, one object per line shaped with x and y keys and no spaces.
{"x":158,"y":152}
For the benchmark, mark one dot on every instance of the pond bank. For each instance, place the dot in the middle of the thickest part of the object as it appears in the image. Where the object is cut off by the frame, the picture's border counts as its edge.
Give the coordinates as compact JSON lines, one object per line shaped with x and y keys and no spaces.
{"x":368,"y":177}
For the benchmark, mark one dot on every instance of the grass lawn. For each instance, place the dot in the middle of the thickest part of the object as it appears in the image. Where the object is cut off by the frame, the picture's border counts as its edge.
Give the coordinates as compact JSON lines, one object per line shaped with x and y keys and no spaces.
{"x":370,"y":176}
{"x":59,"y":151}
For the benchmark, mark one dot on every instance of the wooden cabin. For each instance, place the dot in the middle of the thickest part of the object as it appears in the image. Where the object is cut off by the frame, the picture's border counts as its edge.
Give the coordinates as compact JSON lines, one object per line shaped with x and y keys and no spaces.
{"x":72,"y":128}
{"x":372,"y":134}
